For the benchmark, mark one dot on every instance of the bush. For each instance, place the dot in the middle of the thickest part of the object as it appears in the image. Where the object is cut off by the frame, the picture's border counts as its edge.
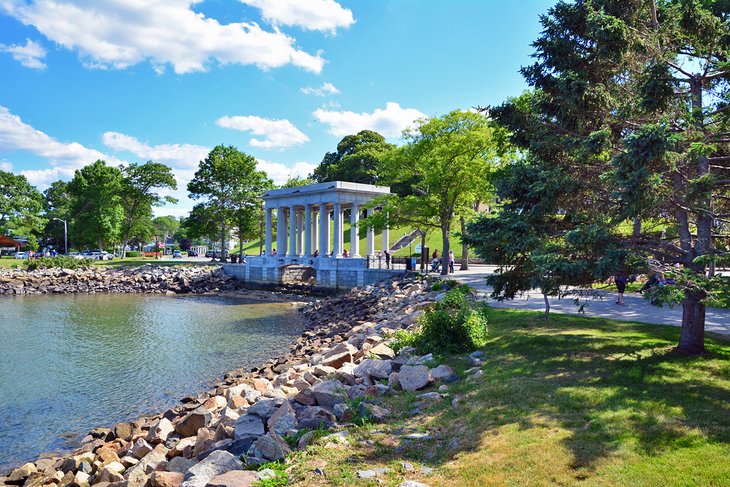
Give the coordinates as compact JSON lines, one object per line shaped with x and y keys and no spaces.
{"x":59,"y":261}
{"x":133,"y":253}
{"x":455,"y":324}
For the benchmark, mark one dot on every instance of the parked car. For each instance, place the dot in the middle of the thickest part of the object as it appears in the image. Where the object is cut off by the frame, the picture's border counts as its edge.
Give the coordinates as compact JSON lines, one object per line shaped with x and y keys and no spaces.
{"x":104,"y":255}
{"x":21,"y":255}
{"x":209,"y":254}
{"x":192,"y":253}
{"x":177,"y":254}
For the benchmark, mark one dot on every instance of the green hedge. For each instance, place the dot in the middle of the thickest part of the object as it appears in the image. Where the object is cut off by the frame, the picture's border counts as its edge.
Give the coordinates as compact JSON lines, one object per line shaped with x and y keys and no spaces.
{"x":59,"y":261}
{"x":132,"y":253}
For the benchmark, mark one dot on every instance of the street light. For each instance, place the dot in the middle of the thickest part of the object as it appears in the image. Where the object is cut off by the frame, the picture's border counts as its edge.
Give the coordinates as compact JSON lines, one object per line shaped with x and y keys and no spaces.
{"x":65,"y":234}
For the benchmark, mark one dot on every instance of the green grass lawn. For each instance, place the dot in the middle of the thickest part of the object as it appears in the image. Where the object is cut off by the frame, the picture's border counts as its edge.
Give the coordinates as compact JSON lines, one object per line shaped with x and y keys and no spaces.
{"x":563,"y":401}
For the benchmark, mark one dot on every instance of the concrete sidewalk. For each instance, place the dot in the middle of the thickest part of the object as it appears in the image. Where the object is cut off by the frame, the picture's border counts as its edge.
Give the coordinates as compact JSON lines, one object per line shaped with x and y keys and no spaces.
{"x":636,"y":309}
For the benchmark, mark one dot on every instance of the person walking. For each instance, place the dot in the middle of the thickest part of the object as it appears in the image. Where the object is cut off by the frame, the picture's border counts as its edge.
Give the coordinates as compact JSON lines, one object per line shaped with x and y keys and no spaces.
{"x":451,"y":261}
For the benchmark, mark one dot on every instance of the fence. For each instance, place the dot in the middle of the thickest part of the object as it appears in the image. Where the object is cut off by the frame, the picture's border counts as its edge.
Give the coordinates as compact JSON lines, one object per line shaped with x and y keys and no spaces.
{"x":379,"y":262}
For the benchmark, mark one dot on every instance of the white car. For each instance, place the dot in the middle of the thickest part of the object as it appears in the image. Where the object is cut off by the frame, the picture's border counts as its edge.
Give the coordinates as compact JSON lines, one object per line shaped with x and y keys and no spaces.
{"x":21,"y":255}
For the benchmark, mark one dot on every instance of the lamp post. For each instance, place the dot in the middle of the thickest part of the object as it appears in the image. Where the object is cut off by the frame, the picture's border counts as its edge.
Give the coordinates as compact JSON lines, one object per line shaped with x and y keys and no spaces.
{"x":65,"y":234}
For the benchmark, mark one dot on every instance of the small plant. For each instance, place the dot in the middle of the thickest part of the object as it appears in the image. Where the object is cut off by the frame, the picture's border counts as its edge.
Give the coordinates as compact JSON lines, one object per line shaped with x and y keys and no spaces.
{"x":402,"y":339}
{"x":453,"y":325}
{"x":280,"y":478}
{"x":132,"y":253}
{"x":360,"y":415}
{"x":293,"y":440}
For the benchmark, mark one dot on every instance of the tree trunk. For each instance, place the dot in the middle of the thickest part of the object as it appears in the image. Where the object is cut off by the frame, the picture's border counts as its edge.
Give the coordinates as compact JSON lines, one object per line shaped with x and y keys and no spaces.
{"x":424,"y":262}
{"x":445,"y":227}
{"x":637,"y":227}
{"x":223,"y":243}
{"x":464,"y":247}
{"x":240,"y":246}
{"x":547,"y":304}
{"x":692,"y":337}
{"x":101,"y":244}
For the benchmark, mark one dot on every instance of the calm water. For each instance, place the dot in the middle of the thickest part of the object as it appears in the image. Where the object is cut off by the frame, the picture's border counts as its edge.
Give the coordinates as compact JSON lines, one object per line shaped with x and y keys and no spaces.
{"x":72,"y":363}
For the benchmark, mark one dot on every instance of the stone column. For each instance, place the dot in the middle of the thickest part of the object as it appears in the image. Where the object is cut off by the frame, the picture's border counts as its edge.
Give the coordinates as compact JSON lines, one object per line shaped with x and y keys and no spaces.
{"x":292,"y":231}
{"x":307,"y":230}
{"x":371,"y":237}
{"x":280,"y":231}
{"x":338,"y":230}
{"x":268,"y":232}
{"x":324,"y":231}
{"x":314,"y":238}
{"x":354,"y":237}
{"x":386,"y":239}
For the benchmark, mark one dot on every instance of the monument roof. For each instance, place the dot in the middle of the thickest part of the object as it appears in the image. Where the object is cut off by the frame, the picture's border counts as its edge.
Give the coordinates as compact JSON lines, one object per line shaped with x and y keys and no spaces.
{"x":343,"y":192}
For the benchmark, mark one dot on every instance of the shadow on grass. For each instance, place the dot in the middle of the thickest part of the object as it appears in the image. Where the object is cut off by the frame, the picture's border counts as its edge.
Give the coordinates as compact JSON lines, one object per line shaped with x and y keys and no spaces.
{"x":612,"y":386}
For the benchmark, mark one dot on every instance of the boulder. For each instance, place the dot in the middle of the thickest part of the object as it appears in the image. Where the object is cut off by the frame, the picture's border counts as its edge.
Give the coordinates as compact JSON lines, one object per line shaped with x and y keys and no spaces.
{"x":374,"y":412}
{"x":442,"y":373}
{"x":329,"y":393}
{"x":160,"y":431}
{"x":414,"y":377}
{"x":198,"y":418}
{"x":140,"y":448}
{"x":248,"y":425}
{"x":323,"y":371}
{"x":306,"y":397}
{"x":137,"y":476}
{"x":166,"y":479}
{"x":283,"y":420}
{"x":314,"y":417}
{"x":382,"y":351}
{"x":264,"y":408}
{"x":377,"y":369}
{"x":335,"y":357}
{"x":180,"y":464}
{"x":217,"y":463}
{"x":270,"y":447}
{"x":21,"y":473}
{"x":123,"y":431}
{"x":234,"y":478}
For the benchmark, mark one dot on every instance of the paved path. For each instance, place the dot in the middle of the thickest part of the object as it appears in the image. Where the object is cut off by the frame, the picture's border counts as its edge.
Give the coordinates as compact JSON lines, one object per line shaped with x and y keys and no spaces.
{"x":636,"y":309}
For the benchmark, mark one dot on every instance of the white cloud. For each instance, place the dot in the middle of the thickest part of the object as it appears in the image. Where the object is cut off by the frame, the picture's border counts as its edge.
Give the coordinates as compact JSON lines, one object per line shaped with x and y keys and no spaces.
{"x":184,"y":155}
{"x":277,"y":134}
{"x":17,"y":135}
{"x":122,"y":33}
{"x":324,"y":90}
{"x":279,"y":173}
{"x":322,"y":15}
{"x":389,"y":122}
{"x":6,"y":166}
{"x":42,"y":178}
{"x":29,"y":55}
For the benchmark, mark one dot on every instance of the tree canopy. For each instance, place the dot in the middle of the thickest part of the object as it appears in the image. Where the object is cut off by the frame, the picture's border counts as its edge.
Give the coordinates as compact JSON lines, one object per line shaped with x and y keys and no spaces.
{"x":627,"y":119}
{"x":357,"y":159}
{"x":20,"y":206}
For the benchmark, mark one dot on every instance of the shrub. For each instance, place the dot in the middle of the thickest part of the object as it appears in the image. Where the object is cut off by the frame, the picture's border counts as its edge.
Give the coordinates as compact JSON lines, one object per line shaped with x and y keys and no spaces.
{"x":59,"y":261}
{"x":402,"y":339}
{"x":455,"y":324}
{"x":133,"y":253}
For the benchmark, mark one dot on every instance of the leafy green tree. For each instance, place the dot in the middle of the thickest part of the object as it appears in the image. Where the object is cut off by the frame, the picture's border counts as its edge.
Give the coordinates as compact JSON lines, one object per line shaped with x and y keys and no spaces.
{"x":166,"y":226}
{"x":447,"y":161}
{"x":56,"y":205}
{"x":357,"y":159}
{"x":627,"y":119}
{"x":202,"y":222}
{"x":20,"y":206}
{"x":96,"y":206}
{"x":296,"y":181}
{"x":228,"y":182}
{"x":139,"y":193}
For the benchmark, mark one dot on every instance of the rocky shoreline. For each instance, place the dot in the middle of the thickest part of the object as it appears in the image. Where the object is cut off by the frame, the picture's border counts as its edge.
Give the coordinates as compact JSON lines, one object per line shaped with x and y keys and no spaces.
{"x":145,"y":279}
{"x":328,"y":378}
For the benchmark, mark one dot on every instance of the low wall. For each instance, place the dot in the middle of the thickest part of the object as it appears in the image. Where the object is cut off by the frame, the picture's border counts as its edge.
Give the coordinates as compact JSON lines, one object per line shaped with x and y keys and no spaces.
{"x":321,"y":272}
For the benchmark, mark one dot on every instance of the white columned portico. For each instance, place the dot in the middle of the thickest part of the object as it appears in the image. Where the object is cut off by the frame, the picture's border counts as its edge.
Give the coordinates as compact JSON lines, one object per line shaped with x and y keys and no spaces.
{"x":292,"y":231}
{"x":280,"y":231}
{"x":268,"y":231}
{"x":307,"y":230}
{"x":314,"y":238}
{"x":324,"y":231}
{"x":354,"y":237}
{"x":386,"y":238}
{"x":337,"y":248}
{"x":370,"y":237}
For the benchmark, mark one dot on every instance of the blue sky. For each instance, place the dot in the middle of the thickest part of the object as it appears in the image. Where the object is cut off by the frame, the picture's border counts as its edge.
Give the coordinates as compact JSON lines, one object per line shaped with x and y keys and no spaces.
{"x":282,"y":80}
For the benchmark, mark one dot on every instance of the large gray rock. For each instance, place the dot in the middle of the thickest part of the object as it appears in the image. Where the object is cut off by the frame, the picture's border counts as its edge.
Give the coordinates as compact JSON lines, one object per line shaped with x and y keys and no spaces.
{"x":138,"y":475}
{"x":314,"y":417}
{"x":335,"y":357}
{"x":248,"y":425}
{"x":382,"y":351}
{"x":217,"y":463}
{"x":160,"y":431}
{"x":140,"y":448}
{"x":442,"y":373}
{"x":414,"y":377}
{"x":270,"y":447}
{"x":235,"y":478}
{"x":264,"y":408}
{"x":376,"y":369}
{"x":329,"y":393}
{"x":283,"y":420}
{"x":195,"y":419}
{"x":306,"y":397}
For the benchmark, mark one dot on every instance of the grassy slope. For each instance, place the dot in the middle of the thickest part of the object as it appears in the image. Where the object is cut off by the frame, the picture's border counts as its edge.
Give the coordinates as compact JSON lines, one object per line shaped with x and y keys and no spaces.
{"x":564,"y":401}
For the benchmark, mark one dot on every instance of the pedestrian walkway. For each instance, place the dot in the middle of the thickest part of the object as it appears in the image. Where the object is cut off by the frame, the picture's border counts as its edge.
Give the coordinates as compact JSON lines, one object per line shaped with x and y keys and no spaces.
{"x":637,"y":308}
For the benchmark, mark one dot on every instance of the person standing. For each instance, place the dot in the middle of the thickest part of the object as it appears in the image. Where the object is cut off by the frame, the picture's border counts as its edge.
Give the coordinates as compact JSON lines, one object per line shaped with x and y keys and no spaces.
{"x":620,"y":281}
{"x":387,"y":259}
{"x":451,"y":261}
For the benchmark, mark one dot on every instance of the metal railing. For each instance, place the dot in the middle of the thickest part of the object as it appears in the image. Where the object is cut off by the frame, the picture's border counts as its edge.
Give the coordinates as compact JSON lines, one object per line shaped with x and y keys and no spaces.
{"x":379,"y":262}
